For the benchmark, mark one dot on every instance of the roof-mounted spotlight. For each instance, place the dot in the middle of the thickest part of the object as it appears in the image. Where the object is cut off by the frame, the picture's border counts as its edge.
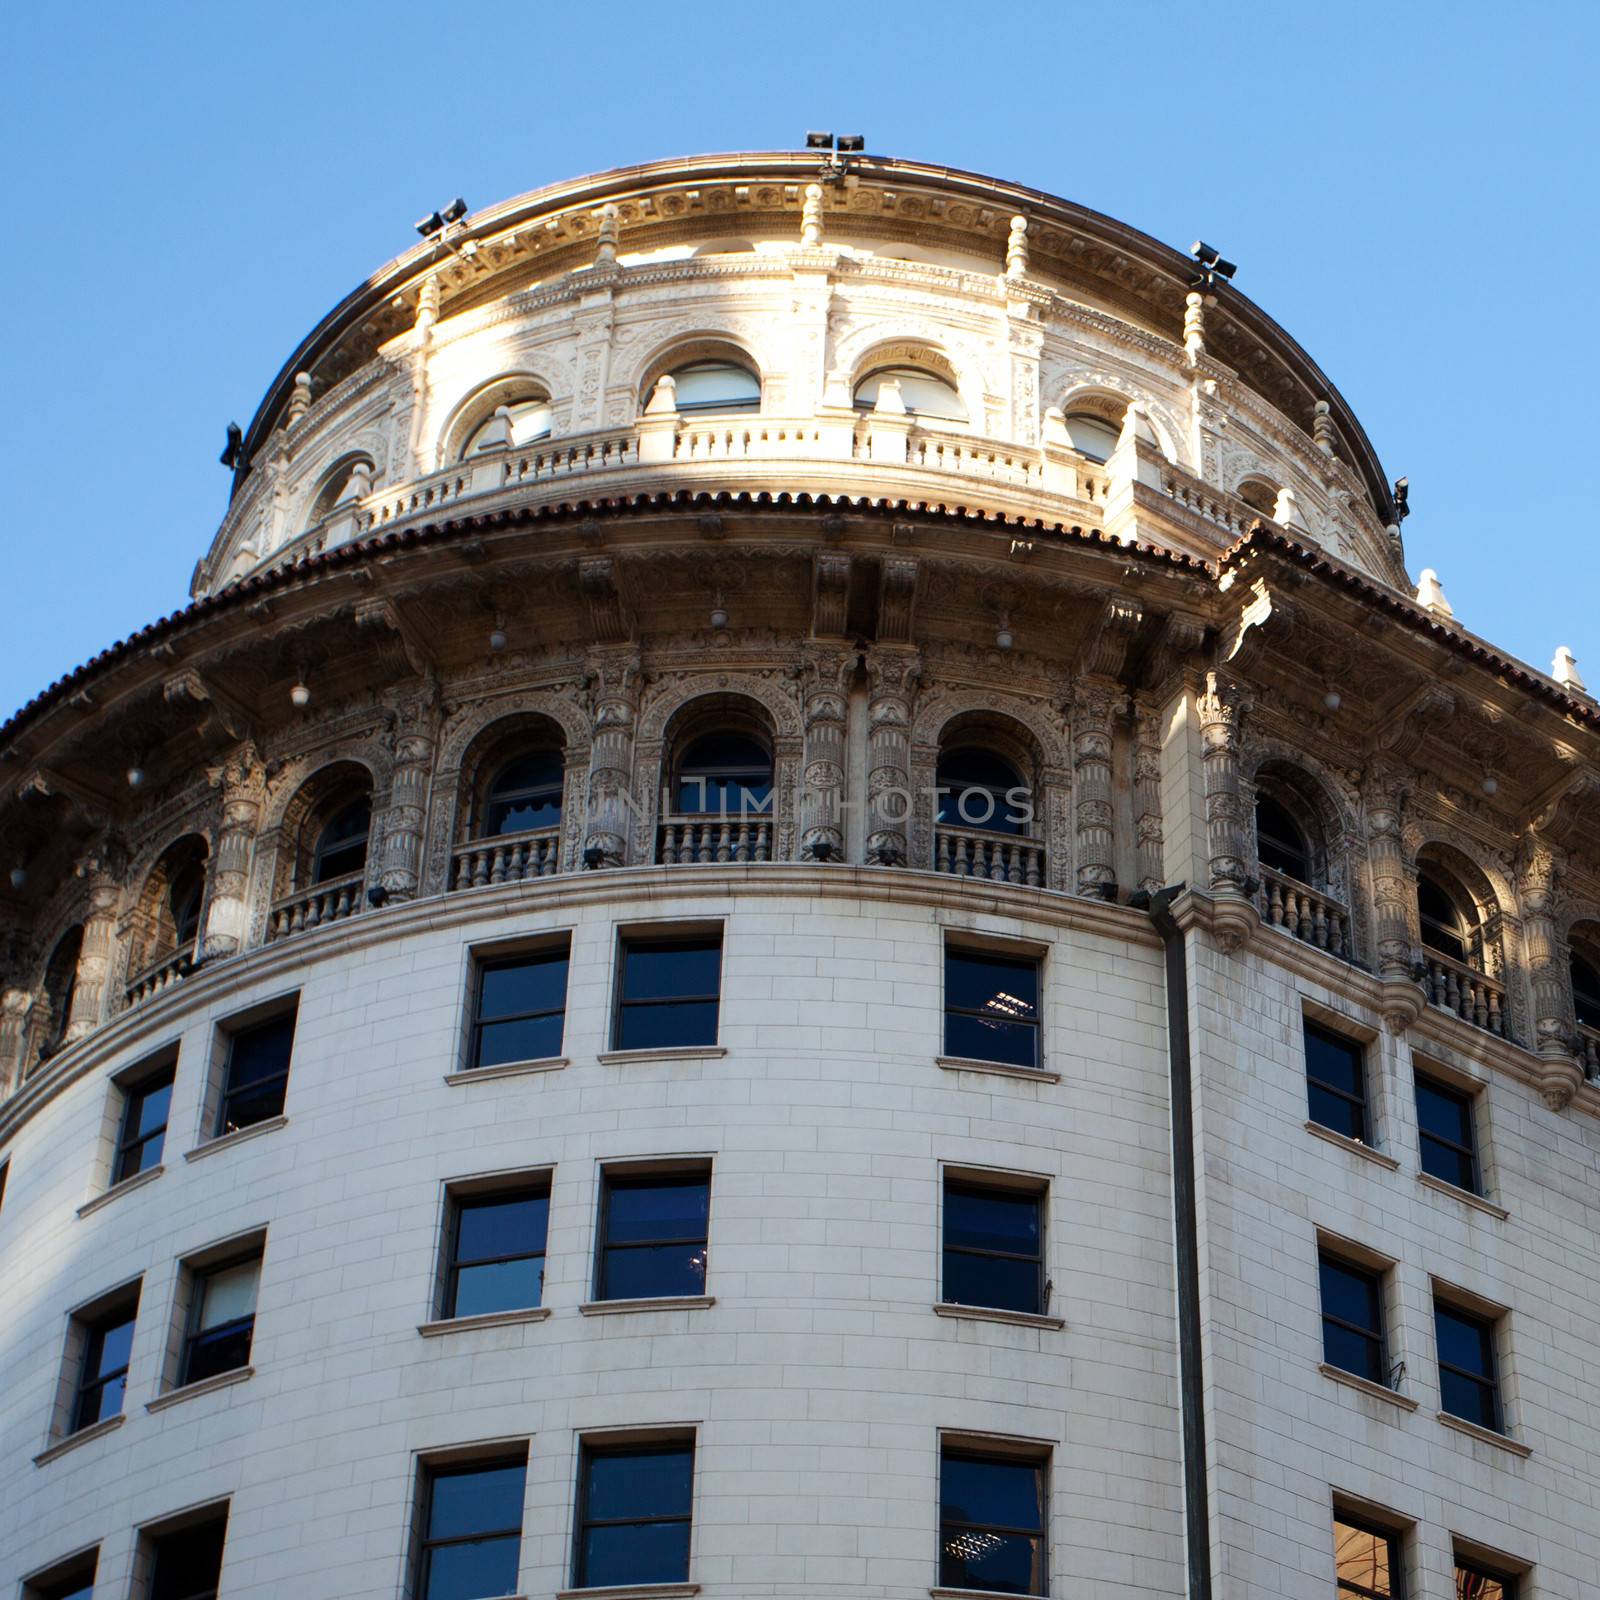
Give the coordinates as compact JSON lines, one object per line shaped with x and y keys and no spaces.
{"x":455,"y":211}
{"x":233,"y":451}
{"x":851,"y":144}
{"x":1213,"y":265}
{"x":1402,"y":499}
{"x":431,"y":224}
{"x":438,"y":221}
{"x":819,"y":141}
{"x":835,"y":165}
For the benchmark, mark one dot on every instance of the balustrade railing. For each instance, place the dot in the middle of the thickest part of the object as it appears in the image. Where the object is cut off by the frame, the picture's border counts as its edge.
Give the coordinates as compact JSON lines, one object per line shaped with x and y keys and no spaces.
{"x":1223,"y":511}
{"x":511,"y":858}
{"x":568,"y":457}
{"x":1589,"y":1050}
{"x":332,"y":901}
{"x":733,"y":441}
{"x":423,"y":495}
{"x":161,"y":975}
{"x":1472,"y":996}
{"x":684,"y":840}
{"x":996,"y":857}
{"x":1310,"y":915}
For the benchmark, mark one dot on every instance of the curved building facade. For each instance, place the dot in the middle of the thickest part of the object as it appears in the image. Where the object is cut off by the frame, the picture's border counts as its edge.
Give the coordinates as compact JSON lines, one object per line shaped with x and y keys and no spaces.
{"x":806,"y":909}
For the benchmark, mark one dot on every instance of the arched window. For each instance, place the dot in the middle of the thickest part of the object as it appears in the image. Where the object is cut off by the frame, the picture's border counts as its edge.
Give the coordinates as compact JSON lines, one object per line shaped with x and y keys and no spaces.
{"x":1259,"y":496}
{"x":1445,"y":929}
{"x":1281,"y":842}
{"x":530,"y":419}
{"x":185,"y":895}
{"x":341,"y":843}
{"x":715,"y":386}
{"x":725,"y":773}
{"x":60,"y":985}
{"x":1586,"y":990}
{"x":1092,"y":437}
{"x":333,"y":486}
{"x":524,"y":794}
{"x":980,"y":789}
{"x":925,"y":394}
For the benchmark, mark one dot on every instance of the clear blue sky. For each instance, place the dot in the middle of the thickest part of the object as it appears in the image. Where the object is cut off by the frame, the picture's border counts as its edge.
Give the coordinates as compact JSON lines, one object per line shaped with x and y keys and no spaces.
{"x":1408,"y":188}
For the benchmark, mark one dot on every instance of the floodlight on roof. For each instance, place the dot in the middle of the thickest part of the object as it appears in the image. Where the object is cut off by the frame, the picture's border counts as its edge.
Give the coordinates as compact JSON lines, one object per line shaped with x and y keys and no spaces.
{"x":851,"y":143}
{"x":819,"y":141}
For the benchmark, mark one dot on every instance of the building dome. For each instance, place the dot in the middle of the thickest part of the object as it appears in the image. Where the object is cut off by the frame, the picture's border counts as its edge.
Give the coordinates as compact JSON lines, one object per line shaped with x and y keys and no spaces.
{"x":805,"y":909}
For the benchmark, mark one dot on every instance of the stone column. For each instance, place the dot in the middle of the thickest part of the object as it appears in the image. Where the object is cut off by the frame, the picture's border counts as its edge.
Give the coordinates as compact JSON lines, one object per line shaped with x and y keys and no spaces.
{"x":243,"y":781}
{"x":405,"y":821}
{"x":1092,"y":711}
{"x":1147,"y":800}
{"x":823,"y":767}
{"x":94,"y":956}
{"x":1560,"y":1075}
{"x":1221,"y":708}
{"x":890,"y":800}
{"x":614,"y":706}
{"x":1394,"y":896}
{"x":16,"y":1008}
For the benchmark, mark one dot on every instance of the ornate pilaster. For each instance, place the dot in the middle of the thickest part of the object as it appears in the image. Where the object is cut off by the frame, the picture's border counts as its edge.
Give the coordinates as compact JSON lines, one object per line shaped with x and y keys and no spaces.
{"x":405,"y":821}
{"x":16,"y":1008}
{"x":1147,"y":799}
{"x":614,"y":708}
{"x":1221,"y":706}
{"x":1394,"y":895}
{"x":1093,"y":709}
{"x":823,"y":762}
{"x":1560,"y":1075}
{"x":89,"y":1006}
{"x":890,"y":800}
{"x":243,"y":782}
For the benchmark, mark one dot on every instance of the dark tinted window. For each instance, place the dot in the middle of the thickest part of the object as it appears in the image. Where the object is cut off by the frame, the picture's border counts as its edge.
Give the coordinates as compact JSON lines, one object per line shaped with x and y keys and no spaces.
{"x":992,"y":1524}
{"x":1352,"y":1319}
{"x":1280,"y":841}
{"x":498,"y":1260}
{"x":222,"y":1320}
{"x":257,"y":1074}
{"x":1336,"y":1082}
{"x":525,"y":794}
{"x":725,"y":774}
{"x":144,"y":1125}
{"x":1586,"y":991}
{"x":1444,"y":1121}
{"x":72,"y":1582}
{"x":1367,"y":1561}
{"x":977,"y":789}
{"x":668,"y":993}
{"x":1467,"y":1384}
{"x":472,"y":1545}
{"x":653,"y":1235}
{"x":185,"y":898}
{"x":103,"y":1379}
{"x":634,"y":1508}
{"x":993,"y":1247}
{"x":522,"y":1007}
{"x":991,"y":1007}
{"x":1442,"y":929}
{"x":342,"y":844}
{"x":188,"y":1562}
{"x":1477,"y":1582}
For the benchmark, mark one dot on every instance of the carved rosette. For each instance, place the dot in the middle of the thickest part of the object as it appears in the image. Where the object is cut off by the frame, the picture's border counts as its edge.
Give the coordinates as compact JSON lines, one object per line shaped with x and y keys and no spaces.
{"x":1092,"y":744}
{"x":243,"y":783}
{"x":889,"y":788}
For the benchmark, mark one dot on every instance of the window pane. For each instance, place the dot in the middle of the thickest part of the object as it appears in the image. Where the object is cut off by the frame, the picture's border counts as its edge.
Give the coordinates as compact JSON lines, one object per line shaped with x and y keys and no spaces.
{"x":1335,"y":1062}
{"x":229,"y":1294}
{"x":991,"y":1219}
{"x":652,"y":1552}
{"x":527,"y":1039}
{"x":252,"y":1105}
{"x":1363,"y":1560}
{"x":1092,"y":437}
{"x":147,"y":1110}
{"x":1469,"y":1399}
{"x":484,"y":1500}
{"x":1449,"y":1166}
{"x":260,"y":1052}
{"x":995,"y":984}
{"x":646,"y":1272}
{"x":224,"y":1350}
{"x":102,"y":1401}
{"x":188,"y":1563}
{"x":115,"y":1346}
{"x":1343,"y":1116}
{"x":713,"y":384}
{"x":1473,"y":1583}
{"x":522,"y":816}
{"x":1003,"y":1563}
{"x":512,"y":1226}
{"x":536,"y":983}
{"x":501,"y":1286}
{"x":991,"y":1281}
{"x":983,"y":1039}
{"x":1350,"y":1294}
{"x":997,"y":1493}
{"x":1352,"y":1352}
{"x":636,"y":1484}
{"x":475,"y":1570}
{"x":1444,"y":1112}
{"x":1464,"y":1341}
{"x":653,"y":971}
{"x":657,"y":1209}
{"x":667,"y":1027}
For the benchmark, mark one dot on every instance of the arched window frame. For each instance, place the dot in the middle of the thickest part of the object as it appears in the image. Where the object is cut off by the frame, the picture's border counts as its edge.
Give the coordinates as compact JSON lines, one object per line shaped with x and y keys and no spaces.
{"x":337,"y":839}
{"x":715,"y":406}
{"x":1101,"y":431}
{"x":319,"y":801}
{"x":1583,"y":970}
{"x":332,"y":484}
{"x":1004,"y":815}
{"x":491,"y":751}
{"x":692,"y":767}
{"x":864,"y":393}
{"x":499,"y":792}
{"x":178,"y":885}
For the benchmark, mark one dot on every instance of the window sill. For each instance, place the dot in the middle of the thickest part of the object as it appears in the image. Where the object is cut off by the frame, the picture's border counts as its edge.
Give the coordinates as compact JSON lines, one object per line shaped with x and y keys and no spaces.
{"x":1486,"y":1435}
{"x":96,"y":1430}
{"x":631,"y":1591}
{"x":1000,"y":1069}
{"x":1017,"y":1319}
{"x":1354,"y":1146}
{"x":676,"y":1052}
{"x":1465,"y":1196}
{"x":226,"y":1141}
{"x":666,"y":1302}
{"x":507,"y":1069}
{"x":484,"y":1319}
{"x":1366,"y":1386}
{"x":137,"y":1181}
{"x":192,"y":1391}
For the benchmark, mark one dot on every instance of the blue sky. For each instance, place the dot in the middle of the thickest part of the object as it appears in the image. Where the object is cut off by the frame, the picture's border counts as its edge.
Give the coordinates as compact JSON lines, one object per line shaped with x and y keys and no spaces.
{"x":1408,"y":188}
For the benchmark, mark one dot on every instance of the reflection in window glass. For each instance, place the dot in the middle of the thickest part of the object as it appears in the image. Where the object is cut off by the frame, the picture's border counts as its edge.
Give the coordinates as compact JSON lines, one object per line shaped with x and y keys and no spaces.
{"x":103,"y":1380}
{"x":341,"y":847}
{"x":525,"y":794}
{"x":1092,"y":437}
{"x":1367,"y":1561}
{"x":144,"y":1126}
{"x":1477,"y":1582}
{"x":634,"y":1511}
{"x":979,"y":789}
{"x":653,"y":1235}
{"x":498,"y":1260}
{"x":991,"y":1523}
{"x":991,"y":1007}
{"x":725,"y":774}
{"x":472,"y":1546}
{"x":224,"y":1320}
{"x":187,"y":1562}
{"x":1280,"y":841}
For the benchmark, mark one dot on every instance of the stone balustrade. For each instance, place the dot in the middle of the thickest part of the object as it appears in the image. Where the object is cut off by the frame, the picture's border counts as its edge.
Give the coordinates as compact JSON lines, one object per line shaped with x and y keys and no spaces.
{"x":510,"y":858}
{"x":332,"y":901}
{"x":161,"y":975}
{"x":1308,"y":914}
{"x":681,"y":841}
{"x":1471,"y":995}
{"x":996,"y":857}
{"x":1589,"y":1050}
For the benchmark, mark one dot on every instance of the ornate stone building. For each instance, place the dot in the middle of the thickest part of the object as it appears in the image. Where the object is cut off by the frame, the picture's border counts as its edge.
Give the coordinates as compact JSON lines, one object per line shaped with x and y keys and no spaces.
{"x":805,"y":909}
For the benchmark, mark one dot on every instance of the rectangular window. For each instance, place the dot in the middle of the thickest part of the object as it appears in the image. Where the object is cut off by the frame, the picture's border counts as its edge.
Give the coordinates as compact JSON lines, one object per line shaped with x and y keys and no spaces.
{"x":992,"y":1522}
{"x":1367,"y":1560}
{"x":635,"y":1505}
{"x":991,"y":1007}
{"x":1336,"y":1080}
{"x":1352,"y":1318}
{"x":256,"y":1073}
{"x":143,"y":1131}
{"x":472,"y":1530}
{"x":1444,"y":1123}
{"x":497,"y":1241}
{"x":993,"y":1246}
{"x":521,"y":1008}
{"x":186,"y":1563}
{"x":1468,"y":1386}
{"x":71,"y":1580}
{"x":222,"y":1319}
{"x":1476,"y":1581}
{"x":103,"y":1373}
{"x":668,"y":992}
{"x":653,"y":1234}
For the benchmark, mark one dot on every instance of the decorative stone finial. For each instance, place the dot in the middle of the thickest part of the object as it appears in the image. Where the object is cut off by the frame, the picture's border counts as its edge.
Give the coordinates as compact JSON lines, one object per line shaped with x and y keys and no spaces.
{"x":664,"y":397}
{"x":811,"y":217}
{"x":1430,"y":594}
{"x":1194,"y":325}
{"x":1323,"y":433}
{"x":1287,"y":513}
{"x":1564,"y":669}
{"x":606,"y":253}
{"x":1017,"y":248}
{"x":299,"y":398}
